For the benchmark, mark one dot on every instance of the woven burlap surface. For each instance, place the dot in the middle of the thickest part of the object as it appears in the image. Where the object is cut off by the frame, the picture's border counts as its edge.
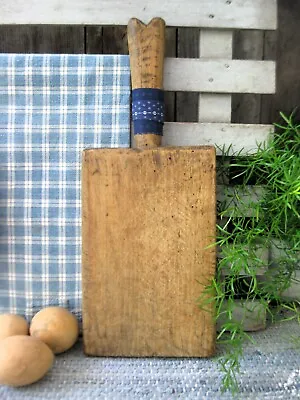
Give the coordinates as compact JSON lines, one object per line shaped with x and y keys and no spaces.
{"x":270,"y":369}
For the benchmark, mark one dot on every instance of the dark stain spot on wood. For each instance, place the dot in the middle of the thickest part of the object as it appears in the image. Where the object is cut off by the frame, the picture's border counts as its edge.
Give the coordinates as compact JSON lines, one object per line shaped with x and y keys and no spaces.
{"x":146,"y":75}
{"x":156,"y":158}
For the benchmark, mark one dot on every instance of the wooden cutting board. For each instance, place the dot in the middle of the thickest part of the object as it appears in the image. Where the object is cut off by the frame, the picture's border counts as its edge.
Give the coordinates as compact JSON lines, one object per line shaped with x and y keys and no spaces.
{"x":148,"y":216}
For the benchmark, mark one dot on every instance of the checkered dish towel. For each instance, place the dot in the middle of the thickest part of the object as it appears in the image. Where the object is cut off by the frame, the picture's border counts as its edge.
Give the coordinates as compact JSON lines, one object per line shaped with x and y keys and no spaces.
{"x":51,"y":108}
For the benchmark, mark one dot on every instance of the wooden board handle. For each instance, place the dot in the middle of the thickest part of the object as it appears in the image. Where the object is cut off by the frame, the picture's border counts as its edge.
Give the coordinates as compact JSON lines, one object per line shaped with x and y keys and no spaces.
{"x":146,"y":45}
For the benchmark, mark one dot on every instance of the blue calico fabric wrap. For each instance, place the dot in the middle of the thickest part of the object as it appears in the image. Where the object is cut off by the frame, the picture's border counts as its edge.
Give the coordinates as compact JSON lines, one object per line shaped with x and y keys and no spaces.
{"x":148,"y":111}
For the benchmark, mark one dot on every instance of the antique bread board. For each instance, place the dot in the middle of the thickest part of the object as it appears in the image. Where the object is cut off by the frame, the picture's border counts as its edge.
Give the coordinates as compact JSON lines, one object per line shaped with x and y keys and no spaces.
{"x":147,"y":219}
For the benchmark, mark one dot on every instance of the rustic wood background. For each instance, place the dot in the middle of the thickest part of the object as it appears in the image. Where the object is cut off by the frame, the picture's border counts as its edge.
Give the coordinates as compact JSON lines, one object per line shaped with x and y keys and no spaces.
{"x":282,"y":45}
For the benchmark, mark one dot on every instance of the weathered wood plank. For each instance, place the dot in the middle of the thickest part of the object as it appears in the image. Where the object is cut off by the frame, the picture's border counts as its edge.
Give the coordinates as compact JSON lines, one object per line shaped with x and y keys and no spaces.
{"x":241,"y":137}
{"x":268,"y":112}
{"x":42,"y":39}
{"x":94,"y":40}
{"x":224,"y":76}
{"x":170,"y":51}
{"x":255,"y":14}
{"x":284,"y":46}
{"x":248,"y":45}
{"x":115,"y":40}
{"x":215,"y":107}
{"x":106,"y":40}
{"x":215,"y":44}
{"x":187,"y":102}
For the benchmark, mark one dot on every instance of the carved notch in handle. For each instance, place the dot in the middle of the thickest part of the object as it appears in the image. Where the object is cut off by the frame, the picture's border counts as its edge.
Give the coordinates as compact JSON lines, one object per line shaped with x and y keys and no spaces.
{"x":146,"y":49}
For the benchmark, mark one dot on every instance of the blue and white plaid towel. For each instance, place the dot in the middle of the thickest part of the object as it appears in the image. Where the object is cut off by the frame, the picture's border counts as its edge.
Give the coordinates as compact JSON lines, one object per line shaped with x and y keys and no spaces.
{"x":51,"y":108}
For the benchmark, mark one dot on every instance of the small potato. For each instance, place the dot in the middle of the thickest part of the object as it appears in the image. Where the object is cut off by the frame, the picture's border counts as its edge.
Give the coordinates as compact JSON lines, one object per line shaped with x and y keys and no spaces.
{"x":55,"y":326}
{"x":23,"y":360}
{"x":11,"y":325}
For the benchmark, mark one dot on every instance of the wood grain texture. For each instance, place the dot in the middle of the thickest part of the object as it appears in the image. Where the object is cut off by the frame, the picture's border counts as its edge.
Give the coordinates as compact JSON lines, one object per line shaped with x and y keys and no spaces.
{"x":285,"y":47}
{"x":249,"y":45}
{"x":224,"y":75}
{"x":42,"y":39}
{"x":146,"y":45}
{"x":148,"y":216}
{"x":170,"y":51}
{"x":94,"y":40}
{"x":106,"y":40}
{"x":115,"y":40}
{"x":269,"y":112}
{"x":242,"y":138}
{"x":254,"y":14}
{"x":187,"y":102}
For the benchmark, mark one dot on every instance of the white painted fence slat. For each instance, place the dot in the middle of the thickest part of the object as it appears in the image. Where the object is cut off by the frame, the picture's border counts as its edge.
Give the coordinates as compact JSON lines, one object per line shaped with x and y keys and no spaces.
{"x":241,"y":137}
{"x":254,"y":14}
{"x":214,"y":107}
{"x":219,"y":76}
{"x":215,"y":43}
